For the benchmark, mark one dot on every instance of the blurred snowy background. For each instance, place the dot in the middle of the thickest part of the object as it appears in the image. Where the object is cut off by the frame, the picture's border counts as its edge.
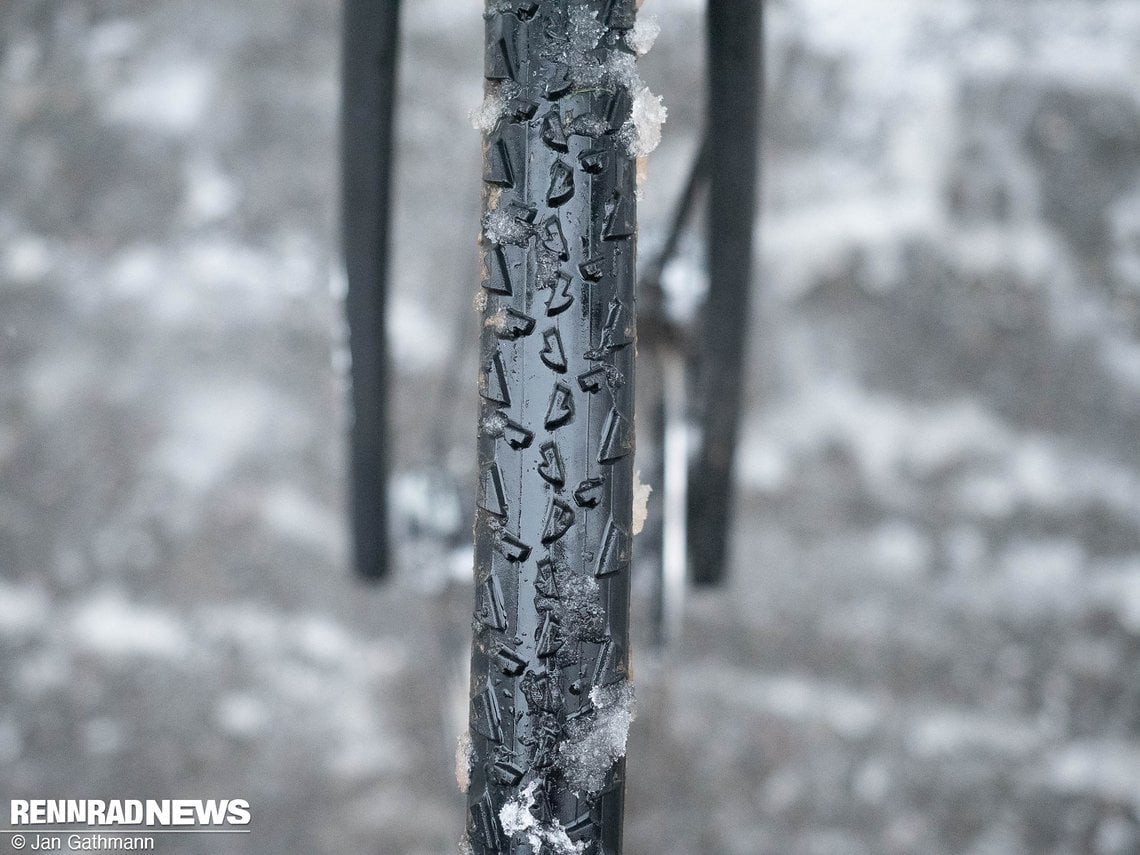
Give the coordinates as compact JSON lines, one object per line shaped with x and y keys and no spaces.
{"x":931,"y":640}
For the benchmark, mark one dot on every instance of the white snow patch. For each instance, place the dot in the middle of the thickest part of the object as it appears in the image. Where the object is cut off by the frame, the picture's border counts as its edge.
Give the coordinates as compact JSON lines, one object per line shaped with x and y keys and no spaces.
{"x":1118,"y":588}
{"x":493,"y":425}
{"x":518,"y":821}
{"x":621,"y":70}
{"x":293,"y":515}
{"x":954,"y":732}
{"x":112,"y":39}
{"x":460,"y":562}
{"x":136,"y":273}
{"x":210,"y":429}
{"x":464,"y":759}
{"x":585,"y":29}
{"x":584,"y":33}
{"x":211,"y":195}
{"x":1042,"y":571}
{"x":807,"y":241}
{"x":891,"y":438}
{"x":686,"y":285}
{"x":172,"y":97}
{"x":1040,"y":471}
{"x":641,"y":132}
{"x":321,"y":683}
{"x":57,"y":380}
{"x":110,"y":624}
{"x":497,"y":321}
{"x":515,"y":815}
{"x":593,"y":746}
{"x":872,"y":782}
{"x":365,"y":753}
{"x":503,"y":227}
{"x":27,"y":258}
{"x":413,"y":333}
{"x":322,"y":640}
{"x":425,"y":500}
{"x":241,"y":715}
{"x":1105,"y":768}
{"x":44,"y":670}
{"x":644,"y":34}
{"x":494,"y":106}
{"x":185,"y":282}
{"x":791,"y":697}
{"x":899,"y":550}
{"x":23,"y":609}
{"x":640,"y":502}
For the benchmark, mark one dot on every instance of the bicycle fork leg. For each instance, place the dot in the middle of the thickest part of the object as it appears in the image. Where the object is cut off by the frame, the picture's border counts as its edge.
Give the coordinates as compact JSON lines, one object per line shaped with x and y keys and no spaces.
{"x":369,"y":90}
{"x":734,"y":43}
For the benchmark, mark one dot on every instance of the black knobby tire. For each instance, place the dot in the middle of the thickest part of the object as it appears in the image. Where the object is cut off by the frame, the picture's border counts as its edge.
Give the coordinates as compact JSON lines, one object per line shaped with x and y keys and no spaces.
{"x":550,"y":697}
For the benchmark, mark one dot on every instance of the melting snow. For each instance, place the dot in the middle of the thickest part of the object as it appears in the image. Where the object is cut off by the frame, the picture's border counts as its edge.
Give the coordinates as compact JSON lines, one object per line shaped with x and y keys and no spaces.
{"x":641,"y":132}
{"x":593,"y":746}
{"x":640,"y":502}
{"x":585,"y":29}
{"x":517,"y":820}
{"x":494,"y":106}
{"x":464,"y":758}
{"x":644,"y":34}
{"x":501,"y":226}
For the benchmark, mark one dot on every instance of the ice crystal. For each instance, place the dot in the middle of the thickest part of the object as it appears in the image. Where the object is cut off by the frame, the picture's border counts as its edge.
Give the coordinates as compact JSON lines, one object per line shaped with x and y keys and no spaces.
{"x":517,"y":820}
{"x":502,"y":226}
{"x":464,"y":759}
{"x":585,"y":29}
{"x":494,"y":425}
{"x":584,"y":616}
{"x":594,"y":743}
{"x":644,"y":34}
{"x":641,"y":133}
{"x":640,"y":502}
{"x":487,"y":115}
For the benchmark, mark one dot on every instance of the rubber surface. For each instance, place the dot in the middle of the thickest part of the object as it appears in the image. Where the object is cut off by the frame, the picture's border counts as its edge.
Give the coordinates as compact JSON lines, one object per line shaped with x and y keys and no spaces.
{"x":549,"y":691}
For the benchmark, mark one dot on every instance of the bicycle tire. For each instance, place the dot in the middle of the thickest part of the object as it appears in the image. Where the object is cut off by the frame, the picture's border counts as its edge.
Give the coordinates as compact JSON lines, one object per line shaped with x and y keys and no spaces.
{"x":551,"y":699}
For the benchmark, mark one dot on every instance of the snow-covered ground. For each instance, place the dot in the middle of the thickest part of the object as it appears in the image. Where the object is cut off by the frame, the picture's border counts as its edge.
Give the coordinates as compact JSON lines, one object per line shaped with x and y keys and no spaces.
{"x":931,"y":640}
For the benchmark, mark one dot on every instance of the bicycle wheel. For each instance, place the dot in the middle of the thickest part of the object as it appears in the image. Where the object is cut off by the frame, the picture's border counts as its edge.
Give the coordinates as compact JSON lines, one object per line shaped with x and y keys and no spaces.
{"x":550,"y":698}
